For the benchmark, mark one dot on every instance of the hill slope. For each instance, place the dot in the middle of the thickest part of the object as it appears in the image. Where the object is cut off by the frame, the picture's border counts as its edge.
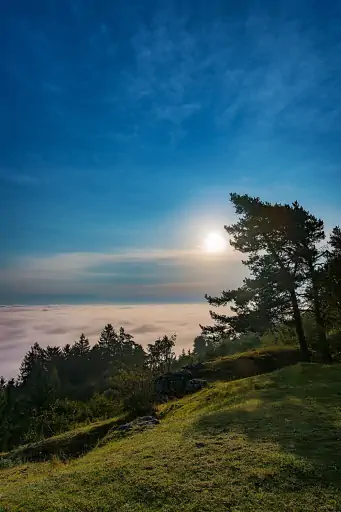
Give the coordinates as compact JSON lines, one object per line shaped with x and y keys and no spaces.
{"x":265,"y":443}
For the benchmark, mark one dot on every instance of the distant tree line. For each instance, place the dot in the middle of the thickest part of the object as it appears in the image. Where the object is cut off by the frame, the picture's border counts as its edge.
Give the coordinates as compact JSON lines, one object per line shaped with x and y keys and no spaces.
{"x":58,"y":387}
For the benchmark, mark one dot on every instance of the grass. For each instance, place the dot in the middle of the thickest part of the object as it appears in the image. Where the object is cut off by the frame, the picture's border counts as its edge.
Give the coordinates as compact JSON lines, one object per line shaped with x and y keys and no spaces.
{"x":67,"y":445}
{"x":264,"y":443}
{"x":246,"y":364}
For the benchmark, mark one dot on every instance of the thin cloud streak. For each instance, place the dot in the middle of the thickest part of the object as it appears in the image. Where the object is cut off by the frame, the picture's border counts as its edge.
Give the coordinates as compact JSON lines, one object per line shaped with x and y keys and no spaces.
{"x":84,"y":263}
{"x":143,"y":275}
{"x":81,"y":261}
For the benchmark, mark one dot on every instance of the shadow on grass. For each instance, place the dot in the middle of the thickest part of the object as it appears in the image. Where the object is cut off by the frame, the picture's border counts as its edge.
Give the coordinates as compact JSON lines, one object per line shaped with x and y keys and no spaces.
{"x":70,"y":445}
{"x":300,"y":416}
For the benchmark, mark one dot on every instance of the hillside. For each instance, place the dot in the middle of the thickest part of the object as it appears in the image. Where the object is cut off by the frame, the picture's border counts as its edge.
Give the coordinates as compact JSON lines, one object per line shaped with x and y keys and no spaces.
{"x":264,"y":443}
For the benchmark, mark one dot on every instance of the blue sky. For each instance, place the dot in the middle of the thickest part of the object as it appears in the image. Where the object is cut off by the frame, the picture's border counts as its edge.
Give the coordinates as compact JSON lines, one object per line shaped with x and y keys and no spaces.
{"x":125,"y":125}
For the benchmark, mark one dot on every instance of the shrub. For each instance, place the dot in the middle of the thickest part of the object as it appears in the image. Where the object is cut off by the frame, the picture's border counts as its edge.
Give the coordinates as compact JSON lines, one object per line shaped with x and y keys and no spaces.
{"x":335,"y":341}
{"x":137,"y":391}
{"x":102,"y":406}
{"x":139,"y":404}
{"x":282,"y":336}
{"x":226,"y":346}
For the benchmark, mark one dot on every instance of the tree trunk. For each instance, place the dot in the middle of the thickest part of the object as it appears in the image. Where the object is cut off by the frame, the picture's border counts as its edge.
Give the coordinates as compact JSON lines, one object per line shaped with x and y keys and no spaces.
{"x":321,"y":328}
{"x":296,"y":310}
{"x":299,"y":327}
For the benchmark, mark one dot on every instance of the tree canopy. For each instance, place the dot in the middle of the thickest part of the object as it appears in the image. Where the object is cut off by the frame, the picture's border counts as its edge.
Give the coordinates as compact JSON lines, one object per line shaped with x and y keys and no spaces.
{"x":285,"y":261}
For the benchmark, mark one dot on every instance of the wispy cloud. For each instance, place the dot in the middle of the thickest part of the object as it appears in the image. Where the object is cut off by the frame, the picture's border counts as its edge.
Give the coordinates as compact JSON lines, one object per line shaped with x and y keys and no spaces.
{"x":268,"y":73}
{"x":52,"y":88}
{"x":100,"y":40}
{"x":18,"y":179}
{"x":263,"y":72}
{"x":79,"y":261}
{"x":77,"y":8}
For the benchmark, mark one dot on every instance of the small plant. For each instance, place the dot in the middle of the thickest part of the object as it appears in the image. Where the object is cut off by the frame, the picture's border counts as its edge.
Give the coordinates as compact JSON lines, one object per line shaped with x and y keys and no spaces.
{"x":8,"y":463}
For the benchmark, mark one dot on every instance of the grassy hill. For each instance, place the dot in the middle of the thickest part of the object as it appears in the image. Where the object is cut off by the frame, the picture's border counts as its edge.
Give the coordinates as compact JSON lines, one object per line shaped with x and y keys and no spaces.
{"x":264,"y":443}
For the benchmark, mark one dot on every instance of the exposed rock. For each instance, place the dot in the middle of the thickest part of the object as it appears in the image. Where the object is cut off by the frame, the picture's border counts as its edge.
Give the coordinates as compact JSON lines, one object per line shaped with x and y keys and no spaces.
{"x":177,"y":384}
{"x":199,"y":445}
{"x":172,"y":384}
{"x":139,"y":424}
{"x":126,"y":426}
{"x":194,"y":366}
{"x":194,"y":385}
{"x":146,"y":419}
{"x":163,"y":399}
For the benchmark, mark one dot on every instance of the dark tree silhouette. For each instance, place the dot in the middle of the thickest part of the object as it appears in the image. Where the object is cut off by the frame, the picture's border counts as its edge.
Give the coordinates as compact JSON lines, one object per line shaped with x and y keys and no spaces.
{"x":282,"y":244}
{"x":160,"y":354}
{"x":199,"y":346}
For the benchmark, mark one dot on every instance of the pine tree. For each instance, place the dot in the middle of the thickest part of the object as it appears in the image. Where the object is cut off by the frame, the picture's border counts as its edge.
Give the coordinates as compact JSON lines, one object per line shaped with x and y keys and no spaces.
{"x":81,"y":347}
{"x":160,"y":355}
{"x":331,"y":279}
{"x":199,"y":346}
{"x":334,"y":269}
{"x":303,"y":233}
{"x":34,"y":357}
{"x":108,"y":336}
{"x":280,"y":241}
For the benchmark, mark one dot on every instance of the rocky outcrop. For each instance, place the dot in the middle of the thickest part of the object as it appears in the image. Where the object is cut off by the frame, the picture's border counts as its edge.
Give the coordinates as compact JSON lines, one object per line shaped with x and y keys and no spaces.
{"x":194,"y":385}
{"x":173,"y":383}
{"x":138,"y":424}
{"x":177,"y":384}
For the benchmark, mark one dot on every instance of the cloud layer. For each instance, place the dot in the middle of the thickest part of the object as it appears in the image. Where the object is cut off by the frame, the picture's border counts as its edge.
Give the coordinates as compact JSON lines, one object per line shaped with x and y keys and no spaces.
{"x":21,"y":326}
{"x":132,"y":275}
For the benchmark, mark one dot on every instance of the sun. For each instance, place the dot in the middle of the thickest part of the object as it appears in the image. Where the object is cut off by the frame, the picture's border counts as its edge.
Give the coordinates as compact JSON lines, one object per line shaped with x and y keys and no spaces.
{"x":215,"y":243}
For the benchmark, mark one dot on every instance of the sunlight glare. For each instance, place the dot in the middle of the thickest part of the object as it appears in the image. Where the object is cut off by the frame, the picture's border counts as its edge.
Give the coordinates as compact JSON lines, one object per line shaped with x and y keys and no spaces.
{"x":215,"y":243}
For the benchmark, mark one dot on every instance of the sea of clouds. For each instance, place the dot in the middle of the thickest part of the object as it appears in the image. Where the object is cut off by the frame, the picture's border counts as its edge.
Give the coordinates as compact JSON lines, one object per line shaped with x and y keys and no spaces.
{"x":21,"y":326}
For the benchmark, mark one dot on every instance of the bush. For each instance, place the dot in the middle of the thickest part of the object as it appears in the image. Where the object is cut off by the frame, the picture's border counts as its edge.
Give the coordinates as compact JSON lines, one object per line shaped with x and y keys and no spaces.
{"x":102,"y":406}
{"x":245,"y":342}
{"x":137,"y":391}
{"x":60,"y":416}
{"x":334,"y":338}
{"x":282,"y":336}
{"x":139,"y":404}
{"x":67,"y":445}
{"x":230,"y":346}
{"x":66,"y":414}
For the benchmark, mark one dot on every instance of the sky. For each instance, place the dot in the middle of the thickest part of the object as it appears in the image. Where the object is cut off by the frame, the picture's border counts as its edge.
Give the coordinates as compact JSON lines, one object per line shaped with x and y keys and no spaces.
{"x":124,"y":126}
